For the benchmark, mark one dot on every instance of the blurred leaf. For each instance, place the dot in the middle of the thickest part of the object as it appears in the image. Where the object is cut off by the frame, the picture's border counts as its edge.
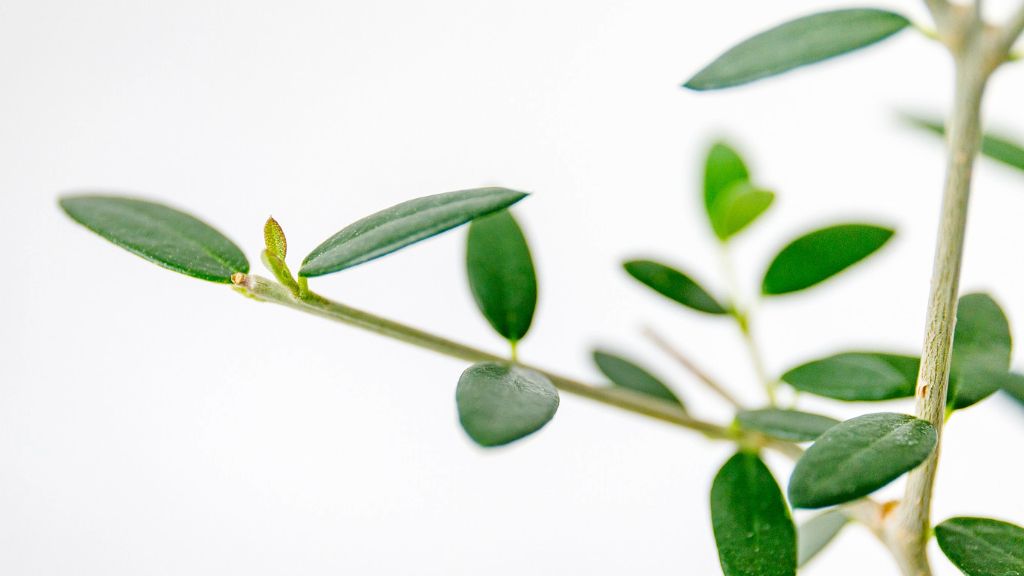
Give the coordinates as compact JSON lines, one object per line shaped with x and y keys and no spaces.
{"x":982,"y":546}
{"x":737,"y":207}
{"x":797,"y":43}
{"x":1013,"y":385}
{"x":981,"y":350}
{"x":723,"y":169}
{"x":857,"y":376}
{"x":753,"y":528}
{"x":815,"y":534}
{"x":857,"y":457}
{"x":674,"y":284}
{"x":626,"y":374}
{"x":501,"y":274}
{"x":499,"y":403}
{"x":819,"y":255}
{"x":165,"y":236}
{"x":790,"y":425}
{"x":404,"y":224}
{"x":996,"y":147}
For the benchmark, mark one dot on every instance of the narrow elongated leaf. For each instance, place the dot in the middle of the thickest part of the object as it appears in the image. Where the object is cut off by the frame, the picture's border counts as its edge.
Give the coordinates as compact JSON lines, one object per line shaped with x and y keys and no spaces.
{"x":737,"y":208}
{"x":982,"y":546}
{"x":857,"y":376}
{"x":160,"y":234}
{"x":723,"y":169}
{"x":996,"y":147}
{"x":981,"y":350}
{"x":499,"y":403}
{"x":819,"y":255}
{"x":404,"y":224}
{"x":815,"y":534}
{"x":624,"y":373}
{"x":753,"y":528}
{"x":674,"y":285}
{"x":501,"y":274}
{"x":857,"y":457}
{"x":797,"y":43}
{"x":786,"y":424}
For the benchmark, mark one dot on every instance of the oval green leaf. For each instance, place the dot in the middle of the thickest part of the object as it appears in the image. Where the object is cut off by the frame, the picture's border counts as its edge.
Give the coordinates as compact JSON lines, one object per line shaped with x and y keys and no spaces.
{"x":737,"y":208}
{"x":857,"y":376}
{"x":981,"y":350}
{"x":996,"y":147}
{"x":815,"y":534}
{"x":790,"y":425}
{"x":857,"y":457}
{"x":753,"y":528}
{"x":674,"y":285}
{"x":819,"y":255}
{"x":404,"y":224}
{"x":982,"y":546}
{"x":626,"y":374}
{"x":501,"y":274}
{"x":161,"y":234}
{"x":798,"y":43}
{"x":723,"y":169}
{"x":500,"y":403}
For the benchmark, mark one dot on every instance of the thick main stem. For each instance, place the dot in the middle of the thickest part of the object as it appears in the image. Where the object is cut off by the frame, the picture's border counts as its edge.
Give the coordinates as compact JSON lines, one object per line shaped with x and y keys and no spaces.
{"x":911,"y":528}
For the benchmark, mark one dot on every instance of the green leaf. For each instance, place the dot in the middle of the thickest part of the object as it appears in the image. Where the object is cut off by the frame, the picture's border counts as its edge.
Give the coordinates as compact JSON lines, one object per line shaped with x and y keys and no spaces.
{"x":165,"y":236}
{"x":815,"y":534}
{"x":723,"y":169}
{"x":857,"y":376}
{"x":790,"y":425}
{"x":819,"y":255}
{"x":500,"y":403}
{"x":982,"y":546}
{"x":753,"y":529}
{"x":274,"y":239}
{"x":501,"y":274}
{"x":996,"y":147}
{"x":1013,"y":386}
{"x":797,"y":43}
{"x":626,"y":374}
{"x":737,"y":208}
{"x":404,"y":224}
{"x":674,"y":285}
{"x":981,"y":350}
{"x":857,"y":457}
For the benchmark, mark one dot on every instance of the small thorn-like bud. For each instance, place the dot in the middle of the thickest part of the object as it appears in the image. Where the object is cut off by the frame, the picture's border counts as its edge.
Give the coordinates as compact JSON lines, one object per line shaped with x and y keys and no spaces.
{"x":238,"y":279}
{"x":273,"y":237}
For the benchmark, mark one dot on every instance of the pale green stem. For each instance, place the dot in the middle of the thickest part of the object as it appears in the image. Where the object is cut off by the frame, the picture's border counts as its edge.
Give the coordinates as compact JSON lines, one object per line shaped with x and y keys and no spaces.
{"x":741,"y":314}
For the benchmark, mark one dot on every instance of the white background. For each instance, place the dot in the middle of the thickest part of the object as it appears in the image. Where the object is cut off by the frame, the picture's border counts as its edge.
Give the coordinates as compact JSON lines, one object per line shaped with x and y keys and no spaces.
{"x":151,"y":423}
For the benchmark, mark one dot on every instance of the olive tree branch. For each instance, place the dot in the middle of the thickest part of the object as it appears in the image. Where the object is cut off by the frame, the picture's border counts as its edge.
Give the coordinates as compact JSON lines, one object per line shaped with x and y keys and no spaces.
{"x":691,"y":366}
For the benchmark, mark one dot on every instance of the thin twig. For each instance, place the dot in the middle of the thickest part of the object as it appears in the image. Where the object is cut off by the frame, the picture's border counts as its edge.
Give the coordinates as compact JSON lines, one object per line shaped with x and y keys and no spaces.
{"x":690,"y":365}
{"x":1010,"y":33}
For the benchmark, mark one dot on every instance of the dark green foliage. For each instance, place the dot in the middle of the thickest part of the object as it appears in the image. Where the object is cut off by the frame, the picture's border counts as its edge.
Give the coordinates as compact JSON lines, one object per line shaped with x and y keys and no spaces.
{"x":797,"y":43}
{"x":981,"y":350}
{"x":501,"y":403}
{"x":791,"y":425}
{"x":168,"y":237}
{"x":857,"y":376}
{"x":819,"y":255}
{"x":626,"y":374}
{"x":982,"y":546}
{"x":501,"y":274}
{"x":859,"y":456}
{"x":674,"y":284}
{"x":404,"y":224}
{"x":753,"y":528}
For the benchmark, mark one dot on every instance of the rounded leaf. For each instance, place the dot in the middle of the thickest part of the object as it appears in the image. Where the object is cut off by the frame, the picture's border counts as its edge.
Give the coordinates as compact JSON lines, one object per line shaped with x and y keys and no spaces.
{"x":819,"y":255}
{"x":790,"y":425}
{"x":501,"y":403}
{"x":981,"y":350}
{"x":982,"y":546}
{"x":626,"y":374}
{"x":753,"y":528}
{"x":501,"y":274}
{"x":161,"y":234}
{"x":737,"y":208}
{"x":674,"y":285}
{"x":723,"y":169}
{"x":404,"y":224}
{"x":797,"y":43}
{"x":857,"y":457}
{"x":857,"y":376}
